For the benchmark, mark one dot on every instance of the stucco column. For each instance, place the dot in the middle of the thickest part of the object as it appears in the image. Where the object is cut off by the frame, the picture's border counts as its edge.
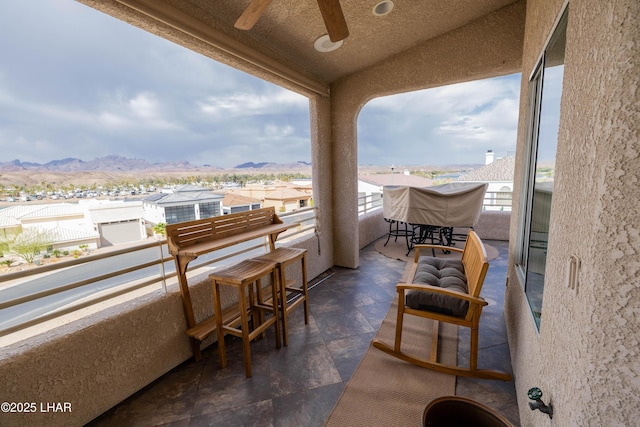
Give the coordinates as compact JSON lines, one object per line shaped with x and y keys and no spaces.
{"x":483,"y":48}
{"x":321,"y":161}
{"x":344,"y":143}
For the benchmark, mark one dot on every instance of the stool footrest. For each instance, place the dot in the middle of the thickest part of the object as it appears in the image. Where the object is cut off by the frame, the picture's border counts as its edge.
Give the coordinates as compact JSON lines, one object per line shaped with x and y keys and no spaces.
{"x":266,"y":306}
{"x":253,"y":333}
{"x":294,"y":304}
{"x":206,"y":327}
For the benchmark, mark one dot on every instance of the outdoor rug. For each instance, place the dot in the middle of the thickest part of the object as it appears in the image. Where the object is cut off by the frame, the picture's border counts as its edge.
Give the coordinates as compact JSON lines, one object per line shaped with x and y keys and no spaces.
{"x":384,"y":390}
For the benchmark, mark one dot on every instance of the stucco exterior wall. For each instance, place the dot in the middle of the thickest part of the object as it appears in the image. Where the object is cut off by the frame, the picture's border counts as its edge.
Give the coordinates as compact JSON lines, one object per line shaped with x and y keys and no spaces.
{"x":101,"y":359}
{"x":586,"y":357}
{"x":493,"y":225}
{"x":488,"y":47}
{"x":372,"y":226}
{"x":96,"y":362}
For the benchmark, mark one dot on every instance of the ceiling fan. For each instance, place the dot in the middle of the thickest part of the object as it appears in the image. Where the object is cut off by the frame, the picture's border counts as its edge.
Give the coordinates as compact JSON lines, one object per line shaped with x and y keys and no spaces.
{"x":330,"y":10}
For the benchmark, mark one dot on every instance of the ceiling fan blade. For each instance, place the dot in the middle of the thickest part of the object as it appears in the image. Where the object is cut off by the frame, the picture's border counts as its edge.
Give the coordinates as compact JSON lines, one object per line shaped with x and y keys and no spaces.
{"x":333,"y":19}
{"x":251,"y":14}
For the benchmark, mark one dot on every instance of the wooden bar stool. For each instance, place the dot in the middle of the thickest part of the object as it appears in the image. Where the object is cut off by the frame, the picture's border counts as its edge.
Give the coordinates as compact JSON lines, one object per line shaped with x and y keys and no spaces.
{"x":284,"y":257}
{"x":243,"y":276}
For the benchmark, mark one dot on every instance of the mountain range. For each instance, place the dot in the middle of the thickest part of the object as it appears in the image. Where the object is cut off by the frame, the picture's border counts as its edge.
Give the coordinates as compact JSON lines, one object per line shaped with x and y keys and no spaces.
{"x":110,"y":169}
{"x":116,"y":163}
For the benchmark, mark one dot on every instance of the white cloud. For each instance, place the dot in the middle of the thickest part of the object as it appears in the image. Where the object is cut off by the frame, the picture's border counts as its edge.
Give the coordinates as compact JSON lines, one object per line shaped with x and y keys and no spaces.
{"x":251,"y":103}
{"x":273,"y":130}
{"x":113,"y":121}
{"x":120,"y":90}
{"x":145,"y":105}
{"x":450,"y":124}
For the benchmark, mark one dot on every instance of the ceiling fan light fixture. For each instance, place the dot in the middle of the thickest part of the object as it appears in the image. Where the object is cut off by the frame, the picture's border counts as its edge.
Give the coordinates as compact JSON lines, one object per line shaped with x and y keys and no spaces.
{"x":383,"y":8}
{"x":324,"y":44}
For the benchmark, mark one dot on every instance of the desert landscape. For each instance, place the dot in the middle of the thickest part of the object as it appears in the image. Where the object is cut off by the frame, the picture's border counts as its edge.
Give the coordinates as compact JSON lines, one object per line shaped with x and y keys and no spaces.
{"x":64,"y":176}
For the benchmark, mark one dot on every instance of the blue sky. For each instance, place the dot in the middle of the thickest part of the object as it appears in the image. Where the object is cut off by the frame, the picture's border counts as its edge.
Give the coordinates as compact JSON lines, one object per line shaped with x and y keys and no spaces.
{"x":77,"y":83}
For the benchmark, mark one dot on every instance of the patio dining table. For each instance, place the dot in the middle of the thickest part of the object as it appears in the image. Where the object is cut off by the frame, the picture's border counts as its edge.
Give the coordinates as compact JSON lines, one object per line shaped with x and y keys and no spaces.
{"x":433,"y":212}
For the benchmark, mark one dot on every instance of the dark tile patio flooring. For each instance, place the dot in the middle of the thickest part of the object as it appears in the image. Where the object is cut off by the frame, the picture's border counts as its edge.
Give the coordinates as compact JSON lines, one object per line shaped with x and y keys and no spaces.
{"x":298,"y":385}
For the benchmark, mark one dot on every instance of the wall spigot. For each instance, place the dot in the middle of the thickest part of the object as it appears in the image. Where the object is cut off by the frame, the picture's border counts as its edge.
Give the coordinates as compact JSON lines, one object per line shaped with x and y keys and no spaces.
{"x":535,"y":394}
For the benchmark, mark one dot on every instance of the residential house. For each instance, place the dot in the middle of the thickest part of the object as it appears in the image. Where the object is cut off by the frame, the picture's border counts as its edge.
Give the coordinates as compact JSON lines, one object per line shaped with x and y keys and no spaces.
{"x":66,"y":225}
{"x":284,"y":198}
{"x":232,"y":203}
{"x":499,"y":175}
{"x":304,"y":185}
{"x":184,"y":203}
{"x":91,"y":223}
{"x":117,"y":221}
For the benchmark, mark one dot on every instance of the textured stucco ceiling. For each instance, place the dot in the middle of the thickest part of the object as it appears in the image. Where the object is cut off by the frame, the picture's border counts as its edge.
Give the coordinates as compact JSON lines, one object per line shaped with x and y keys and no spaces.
{"x":290,"y":27}
{"x":287,"y":29}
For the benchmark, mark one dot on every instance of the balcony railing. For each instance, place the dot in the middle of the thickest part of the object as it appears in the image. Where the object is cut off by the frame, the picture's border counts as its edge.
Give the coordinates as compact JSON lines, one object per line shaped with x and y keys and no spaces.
{"x":39,"y":294}
{"x":369,"y":202}
{"x":497,"y":201}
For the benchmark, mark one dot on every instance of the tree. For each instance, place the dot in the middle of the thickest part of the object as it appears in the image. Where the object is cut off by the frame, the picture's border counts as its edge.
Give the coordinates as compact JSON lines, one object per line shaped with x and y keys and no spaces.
{"x":28,"y":243}
{"x":4,"y":241}
{"x":160,"y":228}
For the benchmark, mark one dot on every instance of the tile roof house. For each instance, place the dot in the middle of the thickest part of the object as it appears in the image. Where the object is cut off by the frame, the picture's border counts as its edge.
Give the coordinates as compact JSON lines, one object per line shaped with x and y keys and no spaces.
{"x":501,"y":170}
{"x":499,"y":175}
{"x":233,"y":202}
{"x":93,"y":223}
{"x":286,"y":199}
{"x":66,"y":224}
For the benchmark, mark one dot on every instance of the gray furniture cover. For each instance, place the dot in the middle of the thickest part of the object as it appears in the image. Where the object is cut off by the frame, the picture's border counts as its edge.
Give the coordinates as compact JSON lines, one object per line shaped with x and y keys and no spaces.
{"x":456,"y":204}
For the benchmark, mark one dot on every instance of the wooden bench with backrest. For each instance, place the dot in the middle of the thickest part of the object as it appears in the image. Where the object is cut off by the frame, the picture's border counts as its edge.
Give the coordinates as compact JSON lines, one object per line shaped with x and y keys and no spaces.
{"x":445,"y":290}
{"x":189,"y":240}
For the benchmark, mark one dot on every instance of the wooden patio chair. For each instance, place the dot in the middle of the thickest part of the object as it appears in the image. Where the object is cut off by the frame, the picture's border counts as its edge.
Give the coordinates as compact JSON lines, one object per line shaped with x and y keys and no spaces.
{"x":445,"y":291}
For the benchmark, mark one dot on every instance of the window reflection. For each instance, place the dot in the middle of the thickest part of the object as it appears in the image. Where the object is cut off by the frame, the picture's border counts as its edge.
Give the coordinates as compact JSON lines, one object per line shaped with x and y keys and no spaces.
{"x":541,"y":169}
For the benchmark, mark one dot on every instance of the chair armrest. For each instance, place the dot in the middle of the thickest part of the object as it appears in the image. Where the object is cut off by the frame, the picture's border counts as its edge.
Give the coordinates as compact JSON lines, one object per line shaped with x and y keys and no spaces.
{"x":402,"y":287}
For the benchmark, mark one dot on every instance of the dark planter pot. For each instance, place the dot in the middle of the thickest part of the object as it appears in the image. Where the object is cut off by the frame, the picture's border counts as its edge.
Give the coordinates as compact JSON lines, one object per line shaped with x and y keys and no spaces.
{"x":453,"y":411}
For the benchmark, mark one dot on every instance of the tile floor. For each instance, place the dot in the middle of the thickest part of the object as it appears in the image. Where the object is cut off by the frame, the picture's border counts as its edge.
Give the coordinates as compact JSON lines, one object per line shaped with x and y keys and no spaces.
{"x":298,"y":385}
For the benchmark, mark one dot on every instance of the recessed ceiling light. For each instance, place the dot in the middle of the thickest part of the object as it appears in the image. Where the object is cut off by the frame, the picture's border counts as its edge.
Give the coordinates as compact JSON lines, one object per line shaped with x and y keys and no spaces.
{"x":383,"y":8}
{"x":324,"y":44}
